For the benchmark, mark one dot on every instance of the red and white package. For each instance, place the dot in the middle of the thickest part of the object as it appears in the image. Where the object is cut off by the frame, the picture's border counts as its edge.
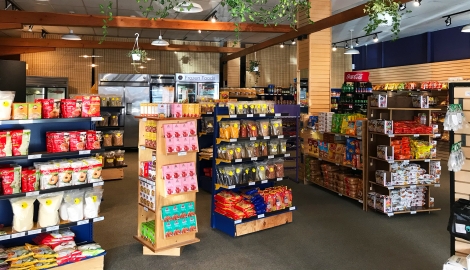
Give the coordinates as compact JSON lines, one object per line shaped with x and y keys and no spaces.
{"x":50,"y":109}
{"x":29,"y":181}
{"x":57,"y":142}
{"x":20,"y":141}
{"x":92,"y":140}
{"x":11,"y":179}
{"x":78,"y":140}
{"x":5,"y":144}
{"x":70,"y":108}
{"x":90,"y":105}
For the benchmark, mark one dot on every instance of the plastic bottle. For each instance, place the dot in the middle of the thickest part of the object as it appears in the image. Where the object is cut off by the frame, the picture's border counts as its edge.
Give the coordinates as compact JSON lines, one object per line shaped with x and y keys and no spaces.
{"x":423,"y":119}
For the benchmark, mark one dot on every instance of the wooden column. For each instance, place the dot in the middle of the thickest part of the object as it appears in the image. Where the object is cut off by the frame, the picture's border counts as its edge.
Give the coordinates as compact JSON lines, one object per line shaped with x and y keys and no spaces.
{"x":319,"y":67}
{"x":232,"y":69}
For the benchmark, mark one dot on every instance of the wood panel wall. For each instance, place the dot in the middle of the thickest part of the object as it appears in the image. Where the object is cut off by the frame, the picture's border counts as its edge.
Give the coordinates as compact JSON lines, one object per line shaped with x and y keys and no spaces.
{"x":303,"y":46}
{"x":319,"y":60}
{"x":232,"y":69}
{"x":340,"y":63}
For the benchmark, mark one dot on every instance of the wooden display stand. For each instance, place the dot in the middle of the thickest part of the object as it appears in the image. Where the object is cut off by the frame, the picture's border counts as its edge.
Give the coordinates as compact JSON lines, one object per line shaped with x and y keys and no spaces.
{"x":163,"y":246}
{"x":96,"y":263}
{"x":112,"y":174}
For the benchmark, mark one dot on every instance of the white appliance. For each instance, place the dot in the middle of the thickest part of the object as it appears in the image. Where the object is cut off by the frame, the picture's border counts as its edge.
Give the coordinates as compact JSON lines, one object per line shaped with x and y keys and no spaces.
{"x":192,"y":87}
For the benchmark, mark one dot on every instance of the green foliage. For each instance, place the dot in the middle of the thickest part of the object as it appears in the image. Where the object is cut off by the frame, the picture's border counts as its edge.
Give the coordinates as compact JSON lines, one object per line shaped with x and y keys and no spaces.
{"x":376,"y":8}
{"x":143,"y":54}
{"x":240,"y":10}
{"x":109,"y":13}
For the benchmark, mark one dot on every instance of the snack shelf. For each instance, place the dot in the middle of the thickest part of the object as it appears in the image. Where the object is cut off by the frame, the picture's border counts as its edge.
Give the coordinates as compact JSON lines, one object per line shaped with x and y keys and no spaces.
{"x":107,"y":148}
{"x":109,"y":127}
{"x":332,"y":161}
{"x":95,"y":262}
{"x":115,"y":167}
{"x":398,"y":135}
{"x":52,"y":190}
{"x":412,"y":211}
{"x":339,"y":193}
{"x":257,"y":115}
{"x":239,"y":96}
{"x":406,"y":160}
{"x":204,"y":158}
{"x":410,"y":90}
{"x":219,"y":140}
{"x":242,"y":160}
{"x":405,"y":186}
{"x":404,"y":109}
{"x":50,"y":120}
{"x":262,"y":216}
{"x":146,"y":209}
{"x":249,"y":184}
{"x":33,"y":156}
{"x":37,"y":230}
{"x":150,"y":246}
{"x":112,"y":107}
{"x":145,"y":118}
{"x":345,"y":135}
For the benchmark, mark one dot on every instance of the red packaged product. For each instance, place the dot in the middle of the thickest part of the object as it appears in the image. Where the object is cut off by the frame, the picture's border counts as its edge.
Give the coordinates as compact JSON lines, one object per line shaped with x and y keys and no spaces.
{"x":70,"y":108}
{"x":20,"y":143}
{"x":49,"y":108}
{"x":10,"y":183}
{"x":78,"y":140}
{"x":29,"y":180}
{"x":92,"y":140}
{"x":57,"y":142}
{"x":5,"y":144}
{"x":90,"y":105}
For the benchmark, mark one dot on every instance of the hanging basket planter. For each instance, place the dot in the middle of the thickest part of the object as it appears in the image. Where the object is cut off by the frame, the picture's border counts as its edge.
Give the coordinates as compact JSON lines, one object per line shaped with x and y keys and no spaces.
{"x":136,"y":57}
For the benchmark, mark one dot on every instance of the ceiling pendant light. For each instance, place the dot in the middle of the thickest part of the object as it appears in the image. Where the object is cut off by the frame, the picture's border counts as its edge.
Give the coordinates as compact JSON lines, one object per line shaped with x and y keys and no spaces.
{"x":160,"y":42}
{"x":466,"y":29}
{"x":188,"y":7}
{"x":71,"y":36}
{"x":402,"y":7}
{"x":417,"y":3}
{"x":352,"y":50}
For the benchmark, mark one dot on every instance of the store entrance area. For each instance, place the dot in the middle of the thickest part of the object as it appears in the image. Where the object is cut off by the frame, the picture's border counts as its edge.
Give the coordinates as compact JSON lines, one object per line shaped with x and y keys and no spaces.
{"x":328,"y":233}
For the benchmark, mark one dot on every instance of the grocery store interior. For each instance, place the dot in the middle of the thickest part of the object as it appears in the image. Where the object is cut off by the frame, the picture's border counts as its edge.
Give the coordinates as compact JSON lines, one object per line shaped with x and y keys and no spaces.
{"x":306,"y":134}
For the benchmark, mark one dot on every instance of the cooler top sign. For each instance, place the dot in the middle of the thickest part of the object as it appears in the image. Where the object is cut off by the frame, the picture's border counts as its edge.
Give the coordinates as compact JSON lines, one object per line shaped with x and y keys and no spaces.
{"x":356,"y":76}
{"x":181,"y":77}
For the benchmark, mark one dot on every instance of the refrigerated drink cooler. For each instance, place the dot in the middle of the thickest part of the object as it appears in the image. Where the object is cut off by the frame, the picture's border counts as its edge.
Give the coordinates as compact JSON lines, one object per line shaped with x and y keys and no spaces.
{"x":134,"y":89}
{"x":162,"y":88}
{"x":191,"y":88}
{"x":46,"y":87}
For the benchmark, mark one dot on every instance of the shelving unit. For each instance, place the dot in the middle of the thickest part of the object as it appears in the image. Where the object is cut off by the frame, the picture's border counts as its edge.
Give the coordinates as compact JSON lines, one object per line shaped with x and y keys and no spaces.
{"x":354,"y":92}
{"x":83,"y":229}
{"x":170,"y":246}
{"x":399,"y":108}
{"x":257,"y":223}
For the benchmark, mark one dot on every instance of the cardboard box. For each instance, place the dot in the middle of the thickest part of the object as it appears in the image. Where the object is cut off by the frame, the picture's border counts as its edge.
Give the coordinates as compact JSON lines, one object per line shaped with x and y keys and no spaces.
{"x":385,"y":152}
{"x":420,"y":101}
{"x":379,"y":101}
{"x":384,"y":126}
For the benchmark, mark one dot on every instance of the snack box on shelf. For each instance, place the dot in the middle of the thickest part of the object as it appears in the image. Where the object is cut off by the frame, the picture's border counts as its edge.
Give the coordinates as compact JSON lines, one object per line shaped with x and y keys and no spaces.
{"x":381,"y":126}
{"x":420,"y":102}
{"x":379,"y":101}
{"x":385,"y":152}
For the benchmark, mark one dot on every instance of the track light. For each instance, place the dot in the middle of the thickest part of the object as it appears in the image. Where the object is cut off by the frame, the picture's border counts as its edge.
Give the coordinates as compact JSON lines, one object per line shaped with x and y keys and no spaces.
{"x":334,"y":48}
{"x":293,"y":42}
{"x":282,"y":45}
{"x":214,"y":19}
{"x":357,"y":42}
{"x":176,"y":52}
{"x":402,"y":7}
{"x":376,"y":38}
{"x":466,"y":29}
{"x":448,"y":21}
{"x":199,"y":31}
{"x":30,"y":28}
{"x":43,"y":33}
{"x":346,"y":46}
{"x":417,"y":3}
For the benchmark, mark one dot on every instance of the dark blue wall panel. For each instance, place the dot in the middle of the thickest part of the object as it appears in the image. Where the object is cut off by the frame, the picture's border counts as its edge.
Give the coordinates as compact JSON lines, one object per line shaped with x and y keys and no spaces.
{"x":405,"y":51}
{"x":450,"y":44}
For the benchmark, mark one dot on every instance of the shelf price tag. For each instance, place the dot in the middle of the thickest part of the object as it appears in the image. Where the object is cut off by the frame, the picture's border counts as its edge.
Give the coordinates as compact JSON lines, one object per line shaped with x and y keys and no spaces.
{"x":292,"y":208}
{"x":427,"y":160}
{"x":251,"y":183}
{"x":320,"y":159}
{"x":233,"y":140}
{"x":277,"y":114}
{"x":182,"y":154}
{"x":391,"y":135}
{"x":390,"y":188}
{"x":281,"y":136}
{"x":98,"y":219}
{"x":266,"y":137}
{"x":279,"y":179}
{"x":261,"y":216}
{"x":84,"y":152}
{"x":252,"y":138}
{"x":16,"y":235}
{"x":346,"y":136}
{"x":238,"y":221}
{"x":4,"y":237}
{"x":231,"y":187}
{"x":25,"y":121}
{"x":33,"y":232}
{"x":416,"y":135}
{"x":254,"y":158}
{"x":271,"y":156}
{"x":146,"y":209}
{"x":52,"y":228}
{"x":233,"y":116}
{"x":32,"y":193}
{"x":437,"y":185}
{"x":100,"y":183}
{"x":286,"y":155}
{"x":142,"y":147}
{"x":238,"y":160}
{"x":82,"y":222}
{"x":339,"y":194}
{"x":262,"y":115}
{"x":391,"y":161}
{"x":413,"y":212}
{"x":354,"y":168}
{"x":437,"y":135}
{"x":34,"y":156}
{"x":208,"y":112}
{"x":360,"y":201}
{"x":264,"y":181}
{"x":390,"y":214}
{"x":94,"y":119}
{"x":412,"y":186}
{"x":359,"y":138}
{"x":249,"y":115}
{"x":144,"y":119}
{"x":337,"y":164}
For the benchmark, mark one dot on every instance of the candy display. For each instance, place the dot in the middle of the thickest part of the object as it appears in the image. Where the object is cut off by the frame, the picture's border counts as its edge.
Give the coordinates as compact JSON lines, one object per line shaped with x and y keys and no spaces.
{"x":378,"y":101}
{"x":179,"y":178}
{"x":253,"y":172}
{"x":147,"y":193}
{"x":411,"y":127}
{"x":380,"y":126}
{"x":147,"y":231}
{"x":174,"y":110}
{"x":252,"y":149}
{"x":430,"y":85}
{"x":249,"y":128}
{"x":350,"y":124}
{"x":420,"y":101}
{"x":179,"y":219}
{"x":409,"y":174}
{"x":59,"y":141}
{"x":252,"y":107}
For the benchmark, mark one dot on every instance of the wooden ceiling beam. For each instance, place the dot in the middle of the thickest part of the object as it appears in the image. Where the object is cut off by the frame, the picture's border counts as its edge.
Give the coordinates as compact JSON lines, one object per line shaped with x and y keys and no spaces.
{"x":93,"y":44}
{"x":8,"y":26}
{"x":10,"y":50}
{"x":78,"y":20}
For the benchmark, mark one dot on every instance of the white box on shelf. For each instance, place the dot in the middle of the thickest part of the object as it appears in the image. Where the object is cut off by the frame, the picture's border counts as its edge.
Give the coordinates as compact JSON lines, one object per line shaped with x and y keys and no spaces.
{"x":420,"y":102}
{"x":385,"y":152}
{"x":379,"y":101}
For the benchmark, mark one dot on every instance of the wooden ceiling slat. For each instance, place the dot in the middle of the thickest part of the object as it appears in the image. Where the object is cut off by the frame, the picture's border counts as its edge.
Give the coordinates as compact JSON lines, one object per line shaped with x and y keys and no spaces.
{"x":8,"y":26}
{"x":9,"y":50}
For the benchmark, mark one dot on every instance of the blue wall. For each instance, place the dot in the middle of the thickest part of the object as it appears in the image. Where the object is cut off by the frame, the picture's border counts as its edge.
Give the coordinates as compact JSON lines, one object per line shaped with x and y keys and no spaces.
{"x":444,"y":45}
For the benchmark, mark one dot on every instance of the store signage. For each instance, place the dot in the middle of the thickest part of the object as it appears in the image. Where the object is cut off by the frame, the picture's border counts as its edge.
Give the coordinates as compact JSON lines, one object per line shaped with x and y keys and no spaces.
{"x":197,"y":77}
{"x":356,"y":76}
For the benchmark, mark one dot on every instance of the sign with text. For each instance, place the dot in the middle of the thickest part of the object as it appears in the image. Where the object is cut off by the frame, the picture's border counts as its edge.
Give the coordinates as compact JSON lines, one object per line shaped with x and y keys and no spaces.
{"x":356,"y":76}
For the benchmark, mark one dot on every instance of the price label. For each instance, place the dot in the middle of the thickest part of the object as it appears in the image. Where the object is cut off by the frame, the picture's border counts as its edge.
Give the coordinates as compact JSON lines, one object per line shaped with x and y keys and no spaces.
{"x":144,"y":119}
{"x":437,"y":135}
{"x":261,"y":216}
{"x":416,"y":135}
{"x":347,"y":136}
{"x":320,"y":159}
{"x":32,"y":193}
{"x":361,"y":201}
{"x":16,"y":235}
{"x":208,"y":112}
{"x":272,"y":156}
{"x":412,"y":186}
{"x":238,"y":221}
{"x":4,"y":237}
{"x":231,"y":187}
{"x":146,"y":209}
{"x":233,"y":140}
{"x":287,"y":155}
{"x":390,"y":214}
{"x":281,"y":136}
{"x":101,"y":119}
{"x":266,"y":137}
{"x":249,"y":115}
{"x":292,"y":208}
{"x":25,"y":121}
{"x":98,"y":219}
{"x":182,"y":154}
{"x":82,"y":222}
{"x":238,"y":160}
{"x":354,"y":168}
{"x":391,"y":135}
{"x":52,"y":228}
{"x":262,"y":115}
{"x":254,"y":158}
{"x":264,"y":181}
{"x":233,"y":116}
{"x":33,"y":232}
{"x":391,"y":161}
{"x":427,"y":160}
{"x":413,"y":212}
{"x":359,"y":138}
{"x":100,"y":183}
{"x":337,"y":164}
{"x":437,"y":185}
{"x":84,"y":152}
{"x":252,"y":138}
{"x":339,"y":194}
{"x":406,"y":161}
{"x":142,"y":147}
{"x":277,"y":114}
{"x":391,"y":187}
{"x":34,"y":156}
{"x":251,"y":183}
{"x":279,"y":179}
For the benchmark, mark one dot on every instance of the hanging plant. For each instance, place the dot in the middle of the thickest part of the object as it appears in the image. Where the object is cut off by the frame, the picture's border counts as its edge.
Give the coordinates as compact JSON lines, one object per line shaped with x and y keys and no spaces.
{"x":254,"y":69}
{"x":240,"y":11}
{"x":137,"y":54}
{"x":378,"y":11}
